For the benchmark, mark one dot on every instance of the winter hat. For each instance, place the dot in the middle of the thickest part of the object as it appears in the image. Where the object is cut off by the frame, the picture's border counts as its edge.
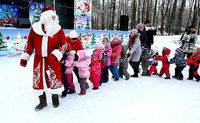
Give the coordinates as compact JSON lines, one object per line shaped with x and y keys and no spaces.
{"x":97,"y":55}
{"x":178,"y":50}
{"x":134,"y":31}
{"x":72,"y":52}
{"x":140,"y":26}
{"x":117,"y":38}
{"x":73,"y":34}
{"x":147,"y":21}
{"x":106,"y":39}
{"x":198,"y":49}
{"x":144,"y":47}
{"x":154,"y":48}
{"x":100,"y":46}
{"x":47,"y":13}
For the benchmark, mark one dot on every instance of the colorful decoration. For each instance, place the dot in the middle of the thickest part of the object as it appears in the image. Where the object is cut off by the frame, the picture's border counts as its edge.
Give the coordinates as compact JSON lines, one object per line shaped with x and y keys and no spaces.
{"x":82,"y":14}
{"x":18,"y":46}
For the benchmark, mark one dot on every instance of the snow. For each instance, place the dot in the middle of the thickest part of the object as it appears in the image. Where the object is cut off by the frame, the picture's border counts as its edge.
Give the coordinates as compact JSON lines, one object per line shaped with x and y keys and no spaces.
{"x":138,"y":100}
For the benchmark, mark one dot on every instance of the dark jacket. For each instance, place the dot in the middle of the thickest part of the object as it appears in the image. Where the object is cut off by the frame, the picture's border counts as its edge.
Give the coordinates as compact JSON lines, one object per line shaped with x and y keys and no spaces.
{"x":178,"y":60}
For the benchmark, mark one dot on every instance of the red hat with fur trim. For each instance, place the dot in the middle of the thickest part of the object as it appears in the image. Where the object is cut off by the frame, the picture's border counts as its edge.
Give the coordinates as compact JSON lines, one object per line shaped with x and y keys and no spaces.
{"x":48,"y":8}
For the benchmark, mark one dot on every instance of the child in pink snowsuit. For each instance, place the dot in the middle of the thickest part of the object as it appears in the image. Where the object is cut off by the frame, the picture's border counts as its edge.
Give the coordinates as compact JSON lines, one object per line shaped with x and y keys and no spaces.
{"x":83,"y":64}
{"x":69,"y":69}
{"x":95,"y":69}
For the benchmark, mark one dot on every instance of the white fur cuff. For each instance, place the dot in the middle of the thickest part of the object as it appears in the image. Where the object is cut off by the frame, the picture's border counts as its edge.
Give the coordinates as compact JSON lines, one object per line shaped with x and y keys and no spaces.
{"x":57,"y":54}
{"x":25,"y":56}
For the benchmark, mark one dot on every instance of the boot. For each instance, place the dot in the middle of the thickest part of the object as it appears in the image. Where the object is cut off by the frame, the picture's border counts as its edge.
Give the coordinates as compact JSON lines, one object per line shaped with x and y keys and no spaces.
{"x":43,"y":102}
{"x":64,"y":94}
{"x":55,"y":100}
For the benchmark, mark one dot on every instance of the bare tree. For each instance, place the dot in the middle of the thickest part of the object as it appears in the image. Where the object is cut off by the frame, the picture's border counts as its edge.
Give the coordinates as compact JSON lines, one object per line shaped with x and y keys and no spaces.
{"x":155,"y":9}
{"x":179,"y":19}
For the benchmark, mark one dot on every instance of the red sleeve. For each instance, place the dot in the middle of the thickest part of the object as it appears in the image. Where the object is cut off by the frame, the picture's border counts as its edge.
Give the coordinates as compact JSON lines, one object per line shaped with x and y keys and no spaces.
{"x":80,"y":46}
{"x":29,"y":47}
{"x":160,"y":58}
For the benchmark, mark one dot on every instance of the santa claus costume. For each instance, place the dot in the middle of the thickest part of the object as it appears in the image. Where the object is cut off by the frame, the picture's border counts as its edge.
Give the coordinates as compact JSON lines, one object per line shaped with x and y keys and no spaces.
{"x":47,"y":38}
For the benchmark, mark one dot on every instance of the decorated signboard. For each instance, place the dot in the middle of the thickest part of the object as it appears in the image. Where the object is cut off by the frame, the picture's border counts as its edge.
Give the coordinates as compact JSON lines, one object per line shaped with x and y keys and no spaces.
{"x":9,"y":15}
{"x":35,"y":10}
{"x":12,"y":41}
{"x":82,"y":14}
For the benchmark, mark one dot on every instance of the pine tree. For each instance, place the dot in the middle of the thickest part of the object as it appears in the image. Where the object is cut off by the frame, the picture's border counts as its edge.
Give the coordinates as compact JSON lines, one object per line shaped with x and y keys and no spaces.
{"x":36,"y":15}
{"x":80,"y":37}
{"x":93,"y":39}
{"x":2,"y":43}
{"x":87,"y":25}
{"x":122,"y":37}
{"x":7,"y":17}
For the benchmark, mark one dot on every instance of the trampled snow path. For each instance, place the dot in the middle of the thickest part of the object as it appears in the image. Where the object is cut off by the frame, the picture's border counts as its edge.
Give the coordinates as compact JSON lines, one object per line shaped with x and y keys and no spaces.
{"x":138,"y":100}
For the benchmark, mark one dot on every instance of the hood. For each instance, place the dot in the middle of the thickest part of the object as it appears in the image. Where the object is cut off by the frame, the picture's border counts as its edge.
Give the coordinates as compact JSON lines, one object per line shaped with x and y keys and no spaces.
{"x":97,"y":54}
{"x":198,"y":53}
{"x":82,"y":54}
{"x":124,"y":50}
{"x":114,"y":44}
{"x":166,"y":51}
{"x":100,"y":46}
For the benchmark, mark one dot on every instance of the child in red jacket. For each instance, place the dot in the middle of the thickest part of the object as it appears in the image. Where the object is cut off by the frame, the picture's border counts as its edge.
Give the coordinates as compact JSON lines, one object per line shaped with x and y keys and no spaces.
{"x":193,"y":62}
{"x":165,"y":62}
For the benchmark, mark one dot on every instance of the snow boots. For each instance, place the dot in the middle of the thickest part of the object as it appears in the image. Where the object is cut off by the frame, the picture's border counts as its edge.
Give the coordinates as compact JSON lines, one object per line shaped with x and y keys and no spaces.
{"x":43,"y":102}
{"x":55,"y":100}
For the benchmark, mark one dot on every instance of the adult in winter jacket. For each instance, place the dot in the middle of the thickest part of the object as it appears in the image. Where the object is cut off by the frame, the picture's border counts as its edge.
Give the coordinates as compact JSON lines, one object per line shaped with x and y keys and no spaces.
{"x":143,"y":36}
{"x":116,"y":55}
{"x":82,"y":64}
{"x":189,"y":41}
{"x":150,"y":32}
{"x":76,"y":45}
{"x":180,"y":62}
{"x":108,"y":51}
{"x":135,"y":51}
{"x":47,"y":38}
{"x":165,"y":62}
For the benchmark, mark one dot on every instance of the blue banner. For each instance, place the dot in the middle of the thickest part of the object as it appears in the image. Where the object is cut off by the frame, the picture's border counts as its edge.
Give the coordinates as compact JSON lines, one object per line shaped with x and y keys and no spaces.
{"x":35,"y":10}
{"x":9,"y":15}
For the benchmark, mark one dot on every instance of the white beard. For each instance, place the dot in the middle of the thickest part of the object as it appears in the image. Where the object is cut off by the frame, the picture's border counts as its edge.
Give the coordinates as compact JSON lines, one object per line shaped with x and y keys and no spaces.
{"x":50,"y":25}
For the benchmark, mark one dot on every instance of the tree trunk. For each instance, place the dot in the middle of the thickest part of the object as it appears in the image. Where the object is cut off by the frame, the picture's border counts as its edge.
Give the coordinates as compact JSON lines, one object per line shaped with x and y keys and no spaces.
{"x":195,"y":17}
{"x":179,"y":20}
{"x":133,"y":17}
{"x":102,"y":21}
{"x":113,"y":15}
{"x":138,"y":13}
{"x":154,"y":14}
{"x":173,"y":17}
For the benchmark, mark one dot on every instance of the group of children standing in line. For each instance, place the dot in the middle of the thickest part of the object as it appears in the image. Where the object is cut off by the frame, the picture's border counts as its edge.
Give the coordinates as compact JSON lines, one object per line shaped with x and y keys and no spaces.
{"x":110,"y":55}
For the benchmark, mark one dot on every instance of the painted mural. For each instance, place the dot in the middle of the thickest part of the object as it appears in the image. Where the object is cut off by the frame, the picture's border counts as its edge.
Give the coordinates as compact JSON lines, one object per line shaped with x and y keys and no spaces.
{"x":12,"y":41}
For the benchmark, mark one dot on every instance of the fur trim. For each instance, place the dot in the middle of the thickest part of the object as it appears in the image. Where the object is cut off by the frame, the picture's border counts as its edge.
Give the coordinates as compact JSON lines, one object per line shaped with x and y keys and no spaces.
{"x":57,"y":54}
{"x":25,"y":56}
{"x":44,"y":45}
{"x":37,"y":28}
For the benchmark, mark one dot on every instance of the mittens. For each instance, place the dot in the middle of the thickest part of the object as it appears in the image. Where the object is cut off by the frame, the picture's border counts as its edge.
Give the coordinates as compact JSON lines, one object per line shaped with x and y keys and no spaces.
{"x":23,"y":62}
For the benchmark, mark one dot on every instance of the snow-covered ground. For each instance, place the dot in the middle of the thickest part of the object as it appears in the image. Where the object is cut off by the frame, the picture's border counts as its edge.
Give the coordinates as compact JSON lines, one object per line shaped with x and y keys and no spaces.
{"x":138,"y":100}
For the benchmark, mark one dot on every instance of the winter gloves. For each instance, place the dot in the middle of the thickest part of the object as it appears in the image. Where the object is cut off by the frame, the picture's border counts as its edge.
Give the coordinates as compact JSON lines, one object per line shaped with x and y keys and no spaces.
{"x":23,"y":62}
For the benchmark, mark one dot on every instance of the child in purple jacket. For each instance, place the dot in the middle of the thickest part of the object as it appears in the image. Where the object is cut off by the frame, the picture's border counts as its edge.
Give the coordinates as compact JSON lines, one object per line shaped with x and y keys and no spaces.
{"x":83,"y":64}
